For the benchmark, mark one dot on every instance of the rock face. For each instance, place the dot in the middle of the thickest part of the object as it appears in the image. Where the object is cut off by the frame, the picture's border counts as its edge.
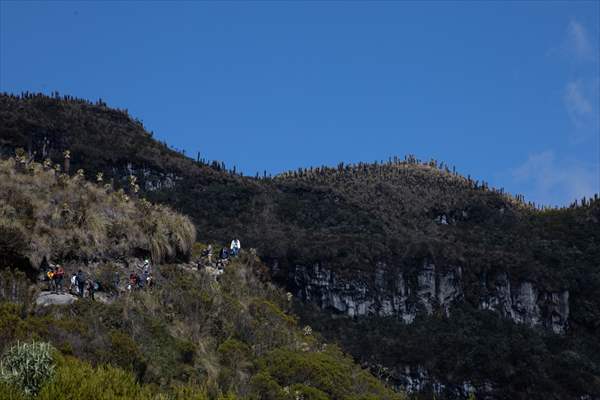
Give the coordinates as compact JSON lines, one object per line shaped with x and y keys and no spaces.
{"x":47,"y":299}
{"x":385,"y":294}
{"x":524,"y":303}
{"x":396,"y":293}
{"x":417,"y":379}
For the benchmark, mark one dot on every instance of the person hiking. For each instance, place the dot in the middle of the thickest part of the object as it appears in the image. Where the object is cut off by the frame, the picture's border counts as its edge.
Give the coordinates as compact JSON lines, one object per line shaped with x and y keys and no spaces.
{"x":91,"y":289}
{"x":51,"y":282}
{"x":150,"y":281}
{"x":59,"y":275}
{"x":235,"y":247}
{"x":55,"y":278}
{"x":224,"y":254}
{"x":142,"y":279}
{"x":209,"y":253}
{"x":132,"y":281}
{"x":116,"y":281}
{"x":73,"y":285}
{"x":146,"y":266}
{"x":80,"y":282}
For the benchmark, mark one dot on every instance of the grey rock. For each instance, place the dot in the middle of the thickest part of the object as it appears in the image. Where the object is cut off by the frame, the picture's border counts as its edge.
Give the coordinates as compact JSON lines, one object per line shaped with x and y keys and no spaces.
{"x":53,"y":299}
{"x":391,"y":293}
{"x":524,"y":303}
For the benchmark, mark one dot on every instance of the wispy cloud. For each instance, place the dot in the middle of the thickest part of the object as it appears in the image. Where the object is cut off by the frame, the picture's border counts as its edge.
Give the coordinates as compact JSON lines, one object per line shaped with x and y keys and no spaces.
{"x":551,"y":177}
{"x":582,"y":91}
{"x":580,"y":99}
{"x":552,"y":181}
{"x":578,"y":41}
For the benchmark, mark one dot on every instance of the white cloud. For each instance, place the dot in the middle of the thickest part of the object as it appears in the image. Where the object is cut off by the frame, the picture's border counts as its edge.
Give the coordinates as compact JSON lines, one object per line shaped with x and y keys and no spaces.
{"x":579,"y":105}
{"x":583,"y":90}
{"x":578,"y":42}
{"x":556,"y":182}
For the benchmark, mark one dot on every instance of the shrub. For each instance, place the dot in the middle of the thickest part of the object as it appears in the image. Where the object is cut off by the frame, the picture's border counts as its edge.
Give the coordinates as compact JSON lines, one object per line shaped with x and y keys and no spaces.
{"x":27,"y":366}
{"x":10,"y":392}
{"x":307,"y":393}
{"x":76,"y":380}
{"x":326,"y":374}
{"x":232,"y":352}
{"x":125,"y":353}
{"x":79,"y":380}
{"x":42,"y":215}
{"x":264,"y":387}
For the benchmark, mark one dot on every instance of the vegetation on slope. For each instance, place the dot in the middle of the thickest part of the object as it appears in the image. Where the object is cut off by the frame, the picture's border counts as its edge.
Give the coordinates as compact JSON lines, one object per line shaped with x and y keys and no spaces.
{"x":228,"y":337}
{"x":189,"y":336}
{"x":47,"y":214}
{"x":399,"y":212}
{"x":493,"y":355}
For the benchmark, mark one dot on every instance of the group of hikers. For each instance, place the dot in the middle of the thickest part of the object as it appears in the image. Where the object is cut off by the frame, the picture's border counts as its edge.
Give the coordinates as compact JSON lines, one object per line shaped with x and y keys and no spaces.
{"x":224,"y":254}
{"x":79,"y":285}
{"x":139,"y":281}
{"x":82,"y":287}
{"x":56,"y":275}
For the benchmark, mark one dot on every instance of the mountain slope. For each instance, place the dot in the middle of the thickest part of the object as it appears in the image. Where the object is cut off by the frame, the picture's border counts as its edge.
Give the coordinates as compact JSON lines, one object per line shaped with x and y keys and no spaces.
{"x":401,"y":246}
{"x":231,"y":337}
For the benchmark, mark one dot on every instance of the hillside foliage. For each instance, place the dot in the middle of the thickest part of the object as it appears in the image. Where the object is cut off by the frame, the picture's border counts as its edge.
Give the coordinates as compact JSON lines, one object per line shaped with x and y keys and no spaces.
{"x":189,"y":336}
{"x":351,"y":217}
{"x":190,"y":333}
{"x":48,"y":214}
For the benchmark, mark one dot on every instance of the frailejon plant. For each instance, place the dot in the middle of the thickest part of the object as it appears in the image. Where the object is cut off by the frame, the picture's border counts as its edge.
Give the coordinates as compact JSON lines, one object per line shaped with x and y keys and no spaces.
{"x":27,"y":366}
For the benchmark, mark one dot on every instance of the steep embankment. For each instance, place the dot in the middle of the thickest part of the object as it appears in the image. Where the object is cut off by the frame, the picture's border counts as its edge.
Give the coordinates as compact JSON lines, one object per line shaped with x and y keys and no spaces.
{"x":45,"y":214}
{"x":415,"y":255}
{"x":187,"y":336}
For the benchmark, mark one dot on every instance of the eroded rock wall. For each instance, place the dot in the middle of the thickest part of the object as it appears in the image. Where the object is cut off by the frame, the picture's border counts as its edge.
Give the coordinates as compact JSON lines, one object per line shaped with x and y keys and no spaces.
{"x":388,"y":292}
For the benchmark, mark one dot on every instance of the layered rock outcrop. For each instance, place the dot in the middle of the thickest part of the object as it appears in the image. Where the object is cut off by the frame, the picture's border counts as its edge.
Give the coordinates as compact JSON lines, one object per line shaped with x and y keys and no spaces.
{"x":388,"y":292}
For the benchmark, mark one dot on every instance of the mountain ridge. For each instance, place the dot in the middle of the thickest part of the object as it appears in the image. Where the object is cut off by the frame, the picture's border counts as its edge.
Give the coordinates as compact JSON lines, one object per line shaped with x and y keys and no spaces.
{"x":349,"y":219}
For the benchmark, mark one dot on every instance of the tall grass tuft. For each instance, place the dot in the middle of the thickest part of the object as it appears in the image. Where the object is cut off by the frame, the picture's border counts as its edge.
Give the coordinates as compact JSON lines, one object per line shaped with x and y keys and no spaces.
{"x":27,"y":366}
{"x":45,"y":214}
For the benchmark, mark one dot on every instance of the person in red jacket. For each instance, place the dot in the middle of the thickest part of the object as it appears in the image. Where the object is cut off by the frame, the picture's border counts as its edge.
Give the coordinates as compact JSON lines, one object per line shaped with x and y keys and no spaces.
{"x":59,"y":275}
{"x":133,"y":280}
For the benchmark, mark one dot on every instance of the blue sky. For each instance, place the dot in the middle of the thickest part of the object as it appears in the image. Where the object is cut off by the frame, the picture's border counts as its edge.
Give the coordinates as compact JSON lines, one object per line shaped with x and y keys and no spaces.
{"x":506,"y":91}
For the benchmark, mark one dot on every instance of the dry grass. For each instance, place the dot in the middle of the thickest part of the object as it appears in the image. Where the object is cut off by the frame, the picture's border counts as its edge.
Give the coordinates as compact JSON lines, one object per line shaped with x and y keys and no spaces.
{"x":44,"y":213}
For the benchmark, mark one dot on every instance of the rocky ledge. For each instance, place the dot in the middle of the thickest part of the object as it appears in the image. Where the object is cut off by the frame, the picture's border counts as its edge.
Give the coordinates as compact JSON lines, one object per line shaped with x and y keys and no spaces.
{"x":388,"y":292}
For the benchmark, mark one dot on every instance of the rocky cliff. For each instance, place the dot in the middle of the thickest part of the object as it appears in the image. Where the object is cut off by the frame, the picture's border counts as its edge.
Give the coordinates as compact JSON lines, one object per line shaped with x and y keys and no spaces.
{"x":391,"y":292}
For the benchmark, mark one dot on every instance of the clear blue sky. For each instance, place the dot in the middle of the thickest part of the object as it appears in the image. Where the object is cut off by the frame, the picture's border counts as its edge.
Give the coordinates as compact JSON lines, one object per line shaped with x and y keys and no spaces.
{"x":508,"y":92}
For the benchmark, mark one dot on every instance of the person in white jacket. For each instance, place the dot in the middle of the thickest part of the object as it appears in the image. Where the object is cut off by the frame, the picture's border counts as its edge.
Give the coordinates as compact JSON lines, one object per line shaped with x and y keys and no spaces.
{"x":235,"y":247}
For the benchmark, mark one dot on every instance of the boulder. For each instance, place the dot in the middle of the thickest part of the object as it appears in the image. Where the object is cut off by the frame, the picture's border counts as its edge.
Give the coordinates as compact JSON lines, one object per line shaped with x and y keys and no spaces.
{"x":48,"y":298}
